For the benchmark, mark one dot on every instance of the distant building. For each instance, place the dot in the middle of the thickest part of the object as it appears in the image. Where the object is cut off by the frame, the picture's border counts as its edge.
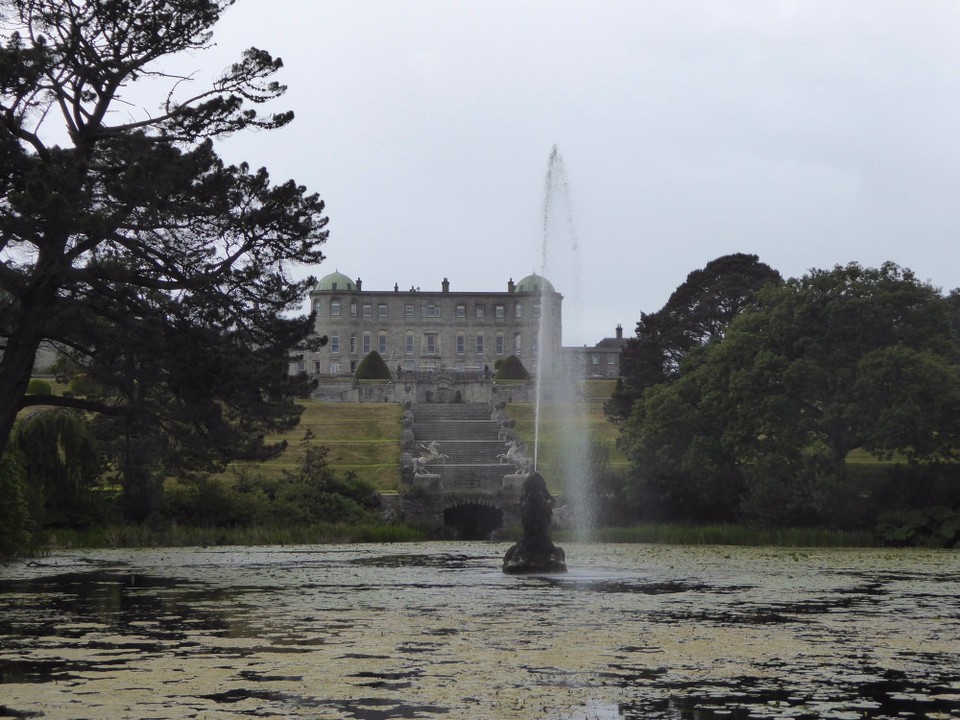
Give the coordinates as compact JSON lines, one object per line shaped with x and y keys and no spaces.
{"x":599,"y":361}
{"x":420,"y":332}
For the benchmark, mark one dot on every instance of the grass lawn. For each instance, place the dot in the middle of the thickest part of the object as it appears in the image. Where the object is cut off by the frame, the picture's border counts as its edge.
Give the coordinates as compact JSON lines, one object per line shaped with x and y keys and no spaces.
{"x":364,"y":438}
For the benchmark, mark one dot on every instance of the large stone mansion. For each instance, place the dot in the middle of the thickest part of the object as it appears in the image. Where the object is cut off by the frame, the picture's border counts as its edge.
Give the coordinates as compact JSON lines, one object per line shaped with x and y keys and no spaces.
{"x":421,"y":332}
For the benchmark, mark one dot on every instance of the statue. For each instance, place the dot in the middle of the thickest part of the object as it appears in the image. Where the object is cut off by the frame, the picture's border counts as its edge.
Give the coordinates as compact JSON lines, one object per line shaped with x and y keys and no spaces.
{"x":535,"y":553}
{"x":516,"y":454}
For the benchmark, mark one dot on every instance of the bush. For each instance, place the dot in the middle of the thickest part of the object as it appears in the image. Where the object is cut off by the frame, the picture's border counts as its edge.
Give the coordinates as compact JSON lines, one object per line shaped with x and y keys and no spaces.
{"x":14,"y":517}
{"x":512,"y":369}
{"x":39,"y":387}
{"x":372,"y":367}
{"x":929,"y":527}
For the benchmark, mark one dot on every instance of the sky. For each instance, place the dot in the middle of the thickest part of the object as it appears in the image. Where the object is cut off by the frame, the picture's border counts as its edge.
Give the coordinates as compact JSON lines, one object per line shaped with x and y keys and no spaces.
{"x":808,"y":133}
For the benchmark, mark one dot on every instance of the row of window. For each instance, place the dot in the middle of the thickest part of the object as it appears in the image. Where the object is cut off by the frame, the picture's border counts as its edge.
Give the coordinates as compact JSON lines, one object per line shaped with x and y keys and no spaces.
{"x":336,"y":367}
{"x":430,"y":310}
{"x":430,"y":344}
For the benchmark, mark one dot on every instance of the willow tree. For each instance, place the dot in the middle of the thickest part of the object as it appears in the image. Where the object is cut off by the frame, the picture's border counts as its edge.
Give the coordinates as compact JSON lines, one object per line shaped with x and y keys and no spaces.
{"x":162,"y":273}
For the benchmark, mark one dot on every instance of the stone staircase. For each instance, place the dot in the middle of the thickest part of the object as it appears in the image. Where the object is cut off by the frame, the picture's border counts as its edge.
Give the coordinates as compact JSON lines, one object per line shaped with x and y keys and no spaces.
{"x":465,"y":433}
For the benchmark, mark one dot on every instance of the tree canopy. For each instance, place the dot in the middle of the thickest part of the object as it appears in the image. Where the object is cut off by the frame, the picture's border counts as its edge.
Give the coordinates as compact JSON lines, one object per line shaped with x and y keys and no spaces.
{"x":162,"y":273}
{"x":835,"y":361}
{"x":696,"y":313}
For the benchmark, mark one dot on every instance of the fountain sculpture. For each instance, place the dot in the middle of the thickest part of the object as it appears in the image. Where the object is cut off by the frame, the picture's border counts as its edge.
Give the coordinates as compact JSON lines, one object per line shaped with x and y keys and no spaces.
{"x":535,"y":552}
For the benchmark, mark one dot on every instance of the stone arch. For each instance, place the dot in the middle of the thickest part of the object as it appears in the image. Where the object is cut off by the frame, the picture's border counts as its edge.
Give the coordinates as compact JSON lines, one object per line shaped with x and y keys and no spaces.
{"x":473,"y":519}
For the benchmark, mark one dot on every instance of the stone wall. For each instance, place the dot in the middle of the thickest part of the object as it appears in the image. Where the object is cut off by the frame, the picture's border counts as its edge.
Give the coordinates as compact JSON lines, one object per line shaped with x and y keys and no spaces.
{"x":443,"y":389}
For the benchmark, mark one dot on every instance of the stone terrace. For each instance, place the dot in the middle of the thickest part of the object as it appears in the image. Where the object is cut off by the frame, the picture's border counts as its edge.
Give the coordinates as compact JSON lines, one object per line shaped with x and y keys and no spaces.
{"x":464,"y":432}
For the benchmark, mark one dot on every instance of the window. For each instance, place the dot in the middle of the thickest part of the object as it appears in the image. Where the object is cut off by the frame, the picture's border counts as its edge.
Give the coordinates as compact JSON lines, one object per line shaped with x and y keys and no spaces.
{"x":408,"y":311}
{"x":367,"y":310}
{"x":595,"y":359}
{"x":382,"y":310}
{"x":408,"y":365}
{"x":461,"y":311}
{"x":517,"y":344}
{"x":335,"y":343}
{"x":480,"y":344}
{"x":335,"y":307}
{"x":431,"y":344}
{"x":481,"y":311}
{"x":498,"y":311}
{"x":535,"y":344}
{"x":536,"y":309}
{"x":335,"y":367}
{"x":518,"y":310}
{"x":611,"y":359}
{"x":315,"y":305}
{"x":382,"y":343}
{"x":499,"y":345}
{"x":461,"y":346}
{"x":366,"y":343}
{"x":353,"y":344}
{"x":431,"y":311}
{"x":353,"y":308}
{"x":408,"y":344}
{"x":316,"y":366}
{"x":460,"y":366}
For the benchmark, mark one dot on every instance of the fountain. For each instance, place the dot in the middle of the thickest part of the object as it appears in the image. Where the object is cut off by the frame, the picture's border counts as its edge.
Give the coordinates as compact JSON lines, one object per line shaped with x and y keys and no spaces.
{"x":557,"y":388}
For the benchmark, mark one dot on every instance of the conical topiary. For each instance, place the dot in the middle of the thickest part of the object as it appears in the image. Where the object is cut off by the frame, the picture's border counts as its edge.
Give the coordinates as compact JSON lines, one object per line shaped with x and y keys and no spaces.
{"x":372,"y":367}
{"x":512,"y":369}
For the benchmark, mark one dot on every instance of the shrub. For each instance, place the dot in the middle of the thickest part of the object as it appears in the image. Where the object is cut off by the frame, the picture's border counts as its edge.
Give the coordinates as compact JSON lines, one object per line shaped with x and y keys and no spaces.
{"x":39,"y":387}
{"x":512,"y":369}
{"x":372,"y":367}
{"x":14,"y":517}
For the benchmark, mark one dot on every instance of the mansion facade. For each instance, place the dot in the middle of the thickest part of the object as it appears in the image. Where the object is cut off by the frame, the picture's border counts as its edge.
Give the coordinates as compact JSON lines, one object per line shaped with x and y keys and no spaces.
{"x":418,"y":331}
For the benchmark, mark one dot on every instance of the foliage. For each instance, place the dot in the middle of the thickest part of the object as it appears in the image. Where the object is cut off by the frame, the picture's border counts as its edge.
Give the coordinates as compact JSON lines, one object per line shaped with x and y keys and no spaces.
{"x":761,"y":423}
{"x":314,"y":493}
{"x":36,"y":386}
{"x":60,"y":462}
{"x":372,"y":367}
{"x":512,"y":369}
{"x":15,"y":524}
{"x":165,"y":272}
{"x":937,"y":526}
{"x":696,"y":314}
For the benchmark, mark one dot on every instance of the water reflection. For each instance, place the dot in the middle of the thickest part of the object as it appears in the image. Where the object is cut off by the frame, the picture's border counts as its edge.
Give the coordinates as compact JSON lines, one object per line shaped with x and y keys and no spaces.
{"x":436,"y":630}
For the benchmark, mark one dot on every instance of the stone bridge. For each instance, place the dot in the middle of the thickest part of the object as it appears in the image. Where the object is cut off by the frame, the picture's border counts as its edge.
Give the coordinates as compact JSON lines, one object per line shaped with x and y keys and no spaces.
{"x":466,"y":487}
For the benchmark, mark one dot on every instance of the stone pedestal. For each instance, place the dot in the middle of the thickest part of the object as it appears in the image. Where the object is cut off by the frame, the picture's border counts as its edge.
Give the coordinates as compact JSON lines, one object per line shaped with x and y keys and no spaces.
{"x":427,"y":482}
{"x":514,"y":483}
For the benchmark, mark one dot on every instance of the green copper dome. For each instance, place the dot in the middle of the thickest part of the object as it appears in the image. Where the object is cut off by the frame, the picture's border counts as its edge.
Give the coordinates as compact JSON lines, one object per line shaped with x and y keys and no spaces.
{"x":336,"y":281}
{"x":534,"y":283}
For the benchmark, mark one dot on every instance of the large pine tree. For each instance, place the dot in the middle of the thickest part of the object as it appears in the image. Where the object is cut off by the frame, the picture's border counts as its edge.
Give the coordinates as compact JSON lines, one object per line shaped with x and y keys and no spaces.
{"x":160,"y":271}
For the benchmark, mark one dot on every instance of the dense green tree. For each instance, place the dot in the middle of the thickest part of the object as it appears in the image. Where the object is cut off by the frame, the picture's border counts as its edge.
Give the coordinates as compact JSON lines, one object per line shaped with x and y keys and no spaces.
{"x":163,"y":273}
{"x":15,"y":522}
{"x":697,"y":313}
{"x":59,"y":457}
{"x":834,"y":361}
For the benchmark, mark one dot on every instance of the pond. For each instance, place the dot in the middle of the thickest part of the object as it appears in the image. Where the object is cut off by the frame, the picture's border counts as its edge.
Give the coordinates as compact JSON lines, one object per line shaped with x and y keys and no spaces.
{"x":435,"y":630}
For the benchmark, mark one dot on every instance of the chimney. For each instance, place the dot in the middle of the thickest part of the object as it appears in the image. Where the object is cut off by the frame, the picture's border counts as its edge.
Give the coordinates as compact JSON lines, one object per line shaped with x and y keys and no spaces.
{"x":510,"y":286}
{"x":359,"y":284}
{"x":446,"y":285}
{"x":396,"y":287}
{"x":619,"y":331}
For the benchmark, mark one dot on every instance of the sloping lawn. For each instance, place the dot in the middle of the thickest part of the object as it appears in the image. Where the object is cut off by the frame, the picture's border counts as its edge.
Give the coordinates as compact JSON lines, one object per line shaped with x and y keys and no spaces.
{"x":364,"y":438}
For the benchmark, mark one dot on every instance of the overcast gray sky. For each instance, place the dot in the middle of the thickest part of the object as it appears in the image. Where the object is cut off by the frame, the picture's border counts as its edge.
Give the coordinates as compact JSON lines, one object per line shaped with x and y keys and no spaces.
{"x":808,"y":133}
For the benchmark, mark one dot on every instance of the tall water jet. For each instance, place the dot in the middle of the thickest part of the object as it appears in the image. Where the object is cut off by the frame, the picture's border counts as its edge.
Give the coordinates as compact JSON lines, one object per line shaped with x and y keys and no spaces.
{"x":559,"y":391}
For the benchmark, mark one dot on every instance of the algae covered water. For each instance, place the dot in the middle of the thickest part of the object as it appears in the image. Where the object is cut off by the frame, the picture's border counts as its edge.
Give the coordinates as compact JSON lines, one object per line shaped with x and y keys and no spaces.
{"x":436,"y":630}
